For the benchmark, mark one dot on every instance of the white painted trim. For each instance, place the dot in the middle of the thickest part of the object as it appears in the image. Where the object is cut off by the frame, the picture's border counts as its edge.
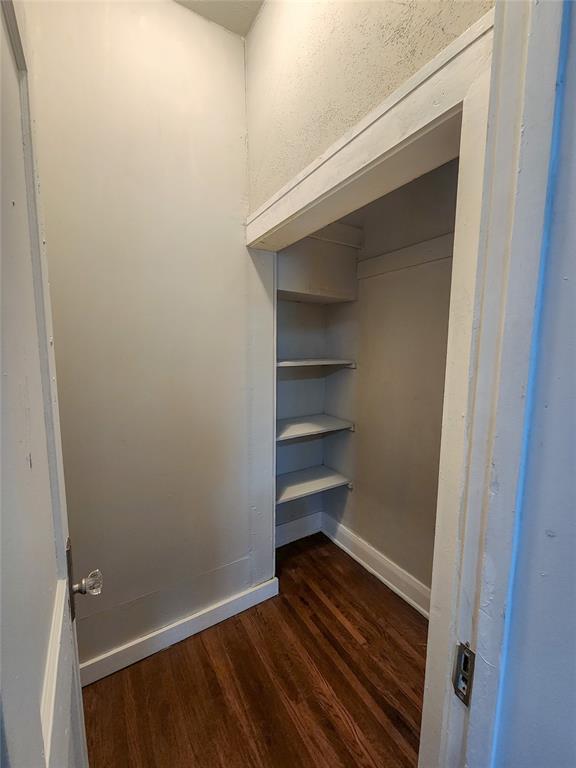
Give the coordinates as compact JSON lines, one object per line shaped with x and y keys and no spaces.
{"x":441,"y":60}
{"x":453,"y":509}
{"x":340,"y":234}
{"x":298,"y":529}
{"x":522,"y":113}
{"x":409,"y":256}
{"x":61,"y":699}
{"x":261,"y":271}
{"x":388,"y":572}
{"x":52,"y":668}
{"x":413,"y":131}
{"x":141,"y":647}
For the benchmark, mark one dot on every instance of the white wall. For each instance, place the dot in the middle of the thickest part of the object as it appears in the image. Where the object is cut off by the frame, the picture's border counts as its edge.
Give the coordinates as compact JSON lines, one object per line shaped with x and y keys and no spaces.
{"x":314,"y":68}
{"x":158,"y":309}
{"x":536,"y":724}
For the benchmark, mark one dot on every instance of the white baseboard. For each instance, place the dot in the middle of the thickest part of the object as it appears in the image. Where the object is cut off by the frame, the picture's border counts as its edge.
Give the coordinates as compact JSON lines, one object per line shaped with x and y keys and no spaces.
{"x":396,"y":578}
{"x":124,"y":655}
{"x":400,"y":581}
{"x":298,"y":529}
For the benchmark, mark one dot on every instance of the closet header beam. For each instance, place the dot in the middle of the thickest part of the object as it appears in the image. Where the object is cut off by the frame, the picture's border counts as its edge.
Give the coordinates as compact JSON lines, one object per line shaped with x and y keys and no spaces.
{"x":412,"y":132}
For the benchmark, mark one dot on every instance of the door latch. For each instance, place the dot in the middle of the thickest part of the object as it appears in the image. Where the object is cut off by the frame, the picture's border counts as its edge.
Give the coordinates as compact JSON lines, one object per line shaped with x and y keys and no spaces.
{"x":464,"y":672}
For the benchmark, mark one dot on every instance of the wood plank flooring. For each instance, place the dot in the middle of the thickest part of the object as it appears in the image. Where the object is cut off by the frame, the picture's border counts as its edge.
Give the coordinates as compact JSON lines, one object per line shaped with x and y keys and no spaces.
{"x":329,"y":674}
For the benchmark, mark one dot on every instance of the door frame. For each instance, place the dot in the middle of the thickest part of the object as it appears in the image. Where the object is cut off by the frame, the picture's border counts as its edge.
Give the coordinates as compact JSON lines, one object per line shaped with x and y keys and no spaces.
{"x":491,"y":117}
{"x":62,"y":670}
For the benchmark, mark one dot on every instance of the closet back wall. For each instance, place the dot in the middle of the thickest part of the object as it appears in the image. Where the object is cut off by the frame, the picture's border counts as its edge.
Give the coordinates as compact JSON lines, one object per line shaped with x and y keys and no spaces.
{"x":141,"y":133}
{"x":397,"y":331}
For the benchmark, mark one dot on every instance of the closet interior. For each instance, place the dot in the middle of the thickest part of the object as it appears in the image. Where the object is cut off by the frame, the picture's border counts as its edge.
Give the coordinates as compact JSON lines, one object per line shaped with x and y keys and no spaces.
{"x":362,"y":328}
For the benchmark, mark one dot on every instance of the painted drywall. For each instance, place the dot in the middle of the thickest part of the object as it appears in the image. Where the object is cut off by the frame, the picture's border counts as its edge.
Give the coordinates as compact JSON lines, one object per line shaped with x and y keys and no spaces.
{"x":536,"y":724}
{"x":317,"y":270}
{"x":397,"y":332}
{"x":235,"y":15}
{"x":315,"y":68}
{"x":422,"y":210}
{"x":159,"y":310}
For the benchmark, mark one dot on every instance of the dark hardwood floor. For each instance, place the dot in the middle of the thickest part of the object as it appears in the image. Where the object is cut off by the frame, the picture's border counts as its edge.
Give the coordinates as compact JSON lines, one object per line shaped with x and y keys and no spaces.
{"x":328,"y":674}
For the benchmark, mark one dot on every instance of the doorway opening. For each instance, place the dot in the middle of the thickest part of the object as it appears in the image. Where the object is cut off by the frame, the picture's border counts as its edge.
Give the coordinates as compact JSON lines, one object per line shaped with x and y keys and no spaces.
{"x":362,"y":331}
{"x":439,"y":118}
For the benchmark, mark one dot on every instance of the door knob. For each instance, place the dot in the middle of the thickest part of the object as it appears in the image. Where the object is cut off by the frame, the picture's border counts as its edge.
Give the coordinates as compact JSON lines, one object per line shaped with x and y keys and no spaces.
{"x":90,"y":585}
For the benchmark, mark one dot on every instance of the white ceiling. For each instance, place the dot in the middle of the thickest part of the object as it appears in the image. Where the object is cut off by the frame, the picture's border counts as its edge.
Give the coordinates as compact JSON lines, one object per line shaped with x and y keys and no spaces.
{"x":235,"y":15}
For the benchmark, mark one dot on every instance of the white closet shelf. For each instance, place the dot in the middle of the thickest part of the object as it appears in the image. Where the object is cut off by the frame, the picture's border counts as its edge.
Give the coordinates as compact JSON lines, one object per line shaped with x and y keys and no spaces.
{"x":306,"y":482}
{"x":316,"y":361}
{"x":307,"y":426}
{"x":315,"y":298}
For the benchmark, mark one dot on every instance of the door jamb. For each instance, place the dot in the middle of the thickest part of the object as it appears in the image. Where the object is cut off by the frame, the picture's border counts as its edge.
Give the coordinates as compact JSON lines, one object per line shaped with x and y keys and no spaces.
{"x":525,"y":89}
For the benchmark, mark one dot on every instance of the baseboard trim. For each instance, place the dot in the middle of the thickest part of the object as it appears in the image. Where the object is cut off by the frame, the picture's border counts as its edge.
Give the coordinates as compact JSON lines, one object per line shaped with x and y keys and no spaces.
{"x":138,"y":649}
{"x":396,"y":578}
{"x":298,"y":529}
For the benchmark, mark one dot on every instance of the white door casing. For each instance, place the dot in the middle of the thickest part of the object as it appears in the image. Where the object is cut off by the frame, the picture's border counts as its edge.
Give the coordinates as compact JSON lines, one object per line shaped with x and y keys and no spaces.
{"x":505,"y":206}
{"x":42,"y":718}
{"x":523,"y":117}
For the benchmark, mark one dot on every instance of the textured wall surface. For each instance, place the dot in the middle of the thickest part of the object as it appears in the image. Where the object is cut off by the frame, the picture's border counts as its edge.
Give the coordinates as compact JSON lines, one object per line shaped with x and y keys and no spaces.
{"x":539,"y":701}
{"x":141,"y":129}
{"x":315,"y":68}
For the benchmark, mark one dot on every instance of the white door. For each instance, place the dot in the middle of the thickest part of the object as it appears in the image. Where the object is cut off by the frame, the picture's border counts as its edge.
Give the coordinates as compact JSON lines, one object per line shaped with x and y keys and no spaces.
{"x":41,"y":717}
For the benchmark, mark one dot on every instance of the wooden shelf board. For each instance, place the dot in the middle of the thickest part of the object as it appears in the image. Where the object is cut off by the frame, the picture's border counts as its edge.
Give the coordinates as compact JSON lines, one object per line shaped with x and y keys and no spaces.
{"x":306,"y":482}
{"x":316,"y":361}
{"x":341,"y":234}
{"x":307,"y":426}
{"x":314,"y":298}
